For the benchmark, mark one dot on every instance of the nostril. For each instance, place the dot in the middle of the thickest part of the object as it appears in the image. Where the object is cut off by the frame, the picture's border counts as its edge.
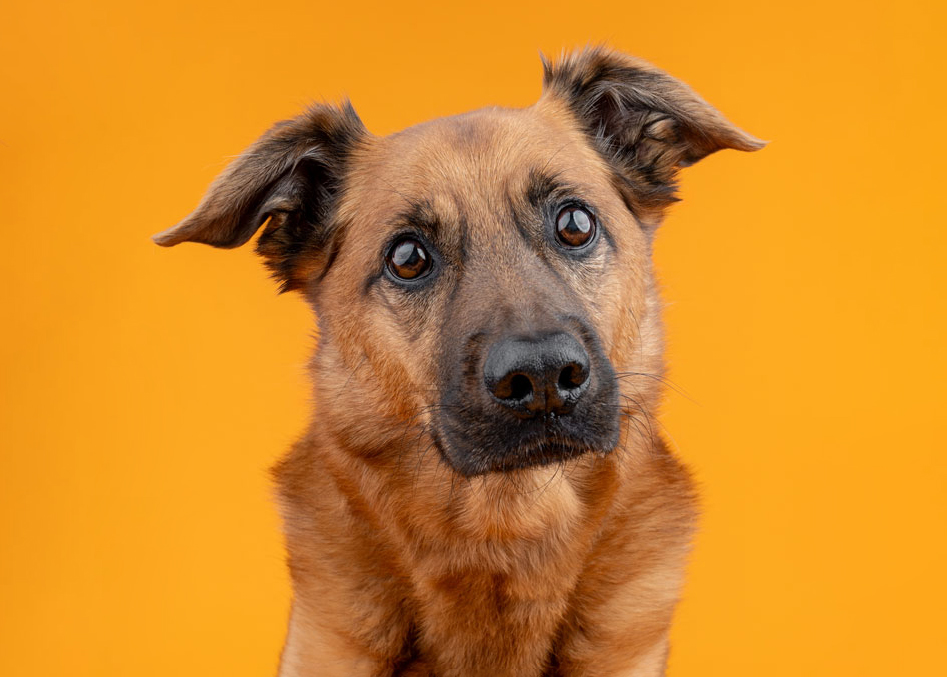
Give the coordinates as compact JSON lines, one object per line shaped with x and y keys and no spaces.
{"x":534,"y":375}
{"x":572,"y":376}
{"x":520,"y":387}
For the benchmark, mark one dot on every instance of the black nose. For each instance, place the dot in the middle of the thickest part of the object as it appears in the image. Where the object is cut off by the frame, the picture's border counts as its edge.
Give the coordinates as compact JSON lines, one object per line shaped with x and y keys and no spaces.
{"x":535,"y":376}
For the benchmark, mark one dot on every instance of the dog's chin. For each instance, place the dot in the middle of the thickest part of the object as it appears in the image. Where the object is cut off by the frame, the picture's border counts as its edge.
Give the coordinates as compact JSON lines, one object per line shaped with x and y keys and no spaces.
{"x":471,"y":460}
{"x":545,"y":452}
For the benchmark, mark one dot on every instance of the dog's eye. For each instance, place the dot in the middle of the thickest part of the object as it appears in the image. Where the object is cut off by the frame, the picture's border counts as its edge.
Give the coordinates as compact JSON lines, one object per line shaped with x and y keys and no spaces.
{"x":575,"y":227}
{"x":408,"y":259}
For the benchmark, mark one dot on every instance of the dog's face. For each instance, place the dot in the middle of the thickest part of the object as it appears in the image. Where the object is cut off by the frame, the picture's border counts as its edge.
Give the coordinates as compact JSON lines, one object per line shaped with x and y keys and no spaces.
{"x":484,"y":279}
{"x":488,"y":251}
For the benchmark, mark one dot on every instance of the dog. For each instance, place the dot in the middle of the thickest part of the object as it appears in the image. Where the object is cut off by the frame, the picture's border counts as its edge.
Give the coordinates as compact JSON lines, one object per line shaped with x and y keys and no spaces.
{"x":482,"y":490}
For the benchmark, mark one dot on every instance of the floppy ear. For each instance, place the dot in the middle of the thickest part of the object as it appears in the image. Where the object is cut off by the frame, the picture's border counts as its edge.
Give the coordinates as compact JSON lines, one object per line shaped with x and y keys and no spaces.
{"x":291,"y":177}
{"x":646,"y":123}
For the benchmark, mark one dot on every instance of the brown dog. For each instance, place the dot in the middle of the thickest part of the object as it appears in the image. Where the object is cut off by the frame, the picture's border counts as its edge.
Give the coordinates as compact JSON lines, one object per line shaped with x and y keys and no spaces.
{"x":481,"y":491}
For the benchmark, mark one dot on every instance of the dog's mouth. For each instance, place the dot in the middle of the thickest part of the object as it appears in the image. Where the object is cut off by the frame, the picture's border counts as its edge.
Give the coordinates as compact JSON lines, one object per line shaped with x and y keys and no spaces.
{"x":503,"y":448}
{"x":544,"y":452}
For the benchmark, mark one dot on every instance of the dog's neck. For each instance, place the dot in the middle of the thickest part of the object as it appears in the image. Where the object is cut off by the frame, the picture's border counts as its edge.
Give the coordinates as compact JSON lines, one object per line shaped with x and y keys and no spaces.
{"x":415,"y":502}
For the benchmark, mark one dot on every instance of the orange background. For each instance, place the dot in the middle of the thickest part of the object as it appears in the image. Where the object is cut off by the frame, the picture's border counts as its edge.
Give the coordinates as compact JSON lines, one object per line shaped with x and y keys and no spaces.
{"x":146,"y":391}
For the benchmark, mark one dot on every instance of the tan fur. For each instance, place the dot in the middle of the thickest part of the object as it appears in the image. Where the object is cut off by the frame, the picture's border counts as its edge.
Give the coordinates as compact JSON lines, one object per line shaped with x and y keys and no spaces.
{"x":400,"y":565}
{"x":494,"y":573}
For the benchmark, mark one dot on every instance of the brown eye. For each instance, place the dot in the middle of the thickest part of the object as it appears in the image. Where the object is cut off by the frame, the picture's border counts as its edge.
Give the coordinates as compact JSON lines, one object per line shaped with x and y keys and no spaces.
{"x":575,"y":227}
{"x":407,"y":259}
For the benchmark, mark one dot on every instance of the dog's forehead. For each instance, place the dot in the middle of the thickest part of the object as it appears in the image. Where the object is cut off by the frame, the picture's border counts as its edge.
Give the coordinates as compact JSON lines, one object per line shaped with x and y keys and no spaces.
{"x":462,"y":167}
{"x":476,"y":147}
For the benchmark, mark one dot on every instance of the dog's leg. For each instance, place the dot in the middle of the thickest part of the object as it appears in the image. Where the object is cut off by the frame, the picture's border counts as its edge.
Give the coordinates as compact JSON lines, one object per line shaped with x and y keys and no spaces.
{"x":647,"y":662}
{"x":311,"y":650}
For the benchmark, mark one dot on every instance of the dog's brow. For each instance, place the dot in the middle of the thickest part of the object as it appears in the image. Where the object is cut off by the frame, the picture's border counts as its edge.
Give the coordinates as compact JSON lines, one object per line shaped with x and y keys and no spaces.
{"x":541,"y":185}
{"x":419,"y":214}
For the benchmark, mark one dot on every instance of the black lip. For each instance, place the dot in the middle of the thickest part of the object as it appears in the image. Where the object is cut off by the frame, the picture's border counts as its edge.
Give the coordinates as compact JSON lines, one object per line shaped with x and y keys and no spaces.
{"x":533,"y":454}
{"x":498,"y":444}
{"x":545,"y":453}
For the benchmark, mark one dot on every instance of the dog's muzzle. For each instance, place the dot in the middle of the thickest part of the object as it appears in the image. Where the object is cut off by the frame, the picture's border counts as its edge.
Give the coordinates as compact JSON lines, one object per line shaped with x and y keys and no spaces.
{"x":526,"y":399}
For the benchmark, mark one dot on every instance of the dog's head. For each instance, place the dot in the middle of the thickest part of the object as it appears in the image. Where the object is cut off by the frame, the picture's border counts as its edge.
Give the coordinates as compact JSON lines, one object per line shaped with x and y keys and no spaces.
{"x":484,"y":279}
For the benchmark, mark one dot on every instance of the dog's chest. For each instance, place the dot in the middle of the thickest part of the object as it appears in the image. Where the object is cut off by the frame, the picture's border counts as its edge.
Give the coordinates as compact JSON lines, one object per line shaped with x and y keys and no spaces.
{"x":477,"y":621}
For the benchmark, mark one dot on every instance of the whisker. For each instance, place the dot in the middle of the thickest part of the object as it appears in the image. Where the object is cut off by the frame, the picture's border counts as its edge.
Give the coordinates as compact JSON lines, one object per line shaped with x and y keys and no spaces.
{"x":659,"y":378}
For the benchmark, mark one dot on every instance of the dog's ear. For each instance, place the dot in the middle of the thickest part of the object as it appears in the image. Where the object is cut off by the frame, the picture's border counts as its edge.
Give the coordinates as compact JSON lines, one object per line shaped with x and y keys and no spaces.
{"x":646,"y":123}
{"x":290,"y":177}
